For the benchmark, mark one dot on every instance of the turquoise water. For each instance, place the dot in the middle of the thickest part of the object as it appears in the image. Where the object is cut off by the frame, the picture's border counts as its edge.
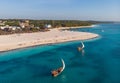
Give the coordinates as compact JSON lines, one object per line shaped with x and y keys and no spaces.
{"x":99,"y":62}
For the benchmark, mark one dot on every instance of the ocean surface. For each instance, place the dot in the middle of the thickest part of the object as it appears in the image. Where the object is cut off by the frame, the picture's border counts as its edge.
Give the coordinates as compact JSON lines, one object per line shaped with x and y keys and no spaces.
{"x":99,"y":62}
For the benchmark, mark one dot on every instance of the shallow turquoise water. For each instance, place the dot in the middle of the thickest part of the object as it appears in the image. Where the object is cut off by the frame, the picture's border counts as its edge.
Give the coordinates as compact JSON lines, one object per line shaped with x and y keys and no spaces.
{"x":98,"y":63}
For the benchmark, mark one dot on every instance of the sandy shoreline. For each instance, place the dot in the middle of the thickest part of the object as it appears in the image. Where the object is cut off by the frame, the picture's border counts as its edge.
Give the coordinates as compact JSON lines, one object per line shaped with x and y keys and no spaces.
{"x":76,"y":27}
{"x":16,"y":41}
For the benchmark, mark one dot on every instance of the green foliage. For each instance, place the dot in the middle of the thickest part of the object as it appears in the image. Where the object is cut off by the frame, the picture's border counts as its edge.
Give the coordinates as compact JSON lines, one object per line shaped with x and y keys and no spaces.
{"x":41,"y":25}
{"x":12,"y":23}
{"x":60,"y":23}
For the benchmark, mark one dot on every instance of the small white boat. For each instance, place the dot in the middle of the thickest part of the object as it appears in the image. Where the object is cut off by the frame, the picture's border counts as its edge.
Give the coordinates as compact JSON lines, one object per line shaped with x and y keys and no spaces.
{"x":58,"y":71}
{"x":80,"y":48}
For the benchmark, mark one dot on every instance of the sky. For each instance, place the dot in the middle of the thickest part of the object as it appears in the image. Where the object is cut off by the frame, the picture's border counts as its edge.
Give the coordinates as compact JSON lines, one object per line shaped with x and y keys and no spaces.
{"x":98,"y":10}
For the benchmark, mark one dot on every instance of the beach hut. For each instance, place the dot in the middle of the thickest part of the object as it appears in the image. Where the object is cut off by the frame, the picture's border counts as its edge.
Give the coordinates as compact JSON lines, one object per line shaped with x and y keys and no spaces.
{"x":48,"y":26}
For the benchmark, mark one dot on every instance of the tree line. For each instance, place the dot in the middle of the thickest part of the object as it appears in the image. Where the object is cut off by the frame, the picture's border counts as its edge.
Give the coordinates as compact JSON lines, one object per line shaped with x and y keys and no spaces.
{"x":54,"y":23}
{"x":39,"y":25}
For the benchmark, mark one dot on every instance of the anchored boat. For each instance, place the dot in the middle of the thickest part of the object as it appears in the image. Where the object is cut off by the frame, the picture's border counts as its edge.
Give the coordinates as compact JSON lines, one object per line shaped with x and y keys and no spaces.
{"x":80,"y":48}
{"x":59,"y":70}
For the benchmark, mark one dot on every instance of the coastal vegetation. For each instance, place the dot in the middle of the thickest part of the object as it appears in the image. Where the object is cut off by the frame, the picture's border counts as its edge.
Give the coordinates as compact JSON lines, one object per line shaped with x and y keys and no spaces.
{"x":10,"y":26}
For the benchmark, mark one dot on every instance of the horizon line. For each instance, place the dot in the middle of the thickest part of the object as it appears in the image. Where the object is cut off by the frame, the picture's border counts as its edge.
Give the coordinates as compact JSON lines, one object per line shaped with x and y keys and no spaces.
{"x":55,"y":19}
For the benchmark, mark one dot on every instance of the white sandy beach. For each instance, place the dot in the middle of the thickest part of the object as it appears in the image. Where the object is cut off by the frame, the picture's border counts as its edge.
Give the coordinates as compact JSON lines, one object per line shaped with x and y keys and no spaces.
{"x":15,"y":41}
{"x":77,"y":27}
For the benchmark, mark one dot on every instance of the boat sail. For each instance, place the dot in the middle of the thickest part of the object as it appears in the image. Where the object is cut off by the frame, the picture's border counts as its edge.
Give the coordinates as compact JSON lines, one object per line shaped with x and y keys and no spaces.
{"x":59,"y":70}
{"x":80,"y":48}
{"x":83,"y":46}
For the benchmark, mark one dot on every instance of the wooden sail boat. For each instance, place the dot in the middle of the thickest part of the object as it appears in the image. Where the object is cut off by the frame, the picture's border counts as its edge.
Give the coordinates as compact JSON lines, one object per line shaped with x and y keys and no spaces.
{"x":80,"y":48}
{"x":59,"y":70}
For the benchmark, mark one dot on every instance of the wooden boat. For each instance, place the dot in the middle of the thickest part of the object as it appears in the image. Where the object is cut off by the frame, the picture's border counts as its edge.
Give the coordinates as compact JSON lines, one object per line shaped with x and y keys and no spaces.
{"x":80,"y":48}
{"x":59,"y":70}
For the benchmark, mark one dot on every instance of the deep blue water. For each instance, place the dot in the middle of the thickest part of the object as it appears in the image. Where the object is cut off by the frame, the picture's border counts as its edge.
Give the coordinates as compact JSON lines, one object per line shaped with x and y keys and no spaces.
{"x":99,"y":62}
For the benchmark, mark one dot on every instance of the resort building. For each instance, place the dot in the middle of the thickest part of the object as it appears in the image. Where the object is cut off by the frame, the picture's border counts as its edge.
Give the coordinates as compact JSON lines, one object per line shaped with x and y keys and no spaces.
{"x":48,"y":26}
{"x":24,"y":24}
{"x":7,"y":27}
{"x":2,"y":23}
